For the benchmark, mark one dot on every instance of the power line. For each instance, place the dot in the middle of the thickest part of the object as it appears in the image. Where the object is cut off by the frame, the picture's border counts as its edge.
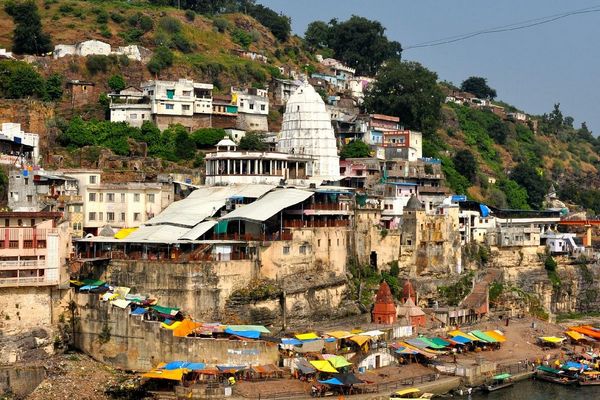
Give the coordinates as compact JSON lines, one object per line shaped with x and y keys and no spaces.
{"x":505,"y":28}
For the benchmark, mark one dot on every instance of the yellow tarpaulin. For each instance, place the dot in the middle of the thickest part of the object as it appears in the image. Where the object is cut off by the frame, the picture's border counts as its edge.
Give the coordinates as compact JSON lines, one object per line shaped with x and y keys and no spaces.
{"x":323,"y":366}
{"x":186,"y":327}
{"x":551,"y":339}
{"x":171,"y":327}
{"x":339,"y":361}
{"x":407,"y":391}
{"x":467,"y":335}
{"x":339,"y":334}
{"x":575,"y":335}
{"x":172,"y":375}
{"x":360,"y":340}
{"x":123,"y":233}
{"x":307,"y":336}
{"x":496,"y":335}
{"x":356,"y":331}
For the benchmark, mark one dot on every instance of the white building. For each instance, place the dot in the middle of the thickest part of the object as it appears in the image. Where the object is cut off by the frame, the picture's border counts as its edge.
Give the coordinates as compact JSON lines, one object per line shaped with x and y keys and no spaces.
{"x":561,"y":243}
{"x":6,"y":54}
{"x":253,"y":108}
{"x":131,"y":106}
{"x":307,"y":130}
{"x":83,"y":49}
{"x":119,"y":205}
{"x":15,"y":143}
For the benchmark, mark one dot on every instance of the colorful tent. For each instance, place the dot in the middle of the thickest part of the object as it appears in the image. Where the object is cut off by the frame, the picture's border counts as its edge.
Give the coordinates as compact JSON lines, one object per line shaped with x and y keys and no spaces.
{"x":244,"y":334}
{"x":440,"y":341}
{"x":483,"y":336}
{"x":121,"y":303}
{"x":172,"y":375}
{"x":501,"y":377}
{"x":139,"y":311}
{"x":467,"y":335}
{"x":339,"y":334}
{"x":496,"y":335}
{"x":186,"y":327}
{"x":256,"y":328}
{"x":431,"y":343}
{"x":171,"y":326}
{"x":339,"y":361}
{"x":575,"y":335}
{"x":323,"y":366}
{"x":360,"y":339}
{"x":332,"y":381}
{"x":552,"y":339}
{"x":307,"y":336}
{"x":166,"y":310}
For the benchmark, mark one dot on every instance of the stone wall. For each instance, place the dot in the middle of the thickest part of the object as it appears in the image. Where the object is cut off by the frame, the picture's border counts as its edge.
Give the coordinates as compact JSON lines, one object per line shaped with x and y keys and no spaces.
{"x":31,"y":114}
{"x":192,"y":123}
{"x":20,"y":381}
{"x":252,"y":122}
{"x":140,"y":345}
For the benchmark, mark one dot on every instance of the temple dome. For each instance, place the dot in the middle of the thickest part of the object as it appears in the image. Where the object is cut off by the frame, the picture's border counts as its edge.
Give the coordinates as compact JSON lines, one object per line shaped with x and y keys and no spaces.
{"x":307,"y":130}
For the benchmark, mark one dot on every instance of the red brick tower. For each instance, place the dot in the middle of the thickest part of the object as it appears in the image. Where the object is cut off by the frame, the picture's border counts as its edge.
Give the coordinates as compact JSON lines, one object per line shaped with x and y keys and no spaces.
{"x":384,"y":311}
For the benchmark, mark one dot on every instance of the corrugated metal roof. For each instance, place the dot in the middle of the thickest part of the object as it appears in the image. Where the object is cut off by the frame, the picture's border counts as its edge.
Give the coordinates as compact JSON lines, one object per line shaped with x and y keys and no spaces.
{"x":269,"y":205}
{"x":158,"y":233}
{"x":198,"y":230}
{"x":205,"y":202}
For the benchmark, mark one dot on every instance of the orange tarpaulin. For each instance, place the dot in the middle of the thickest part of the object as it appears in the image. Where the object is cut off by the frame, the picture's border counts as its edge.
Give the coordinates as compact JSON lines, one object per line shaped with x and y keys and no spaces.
{"x":172,"y":375}
{"x":587,"y":330}
{"x":186,"y":327}
{"x":496,"y":335}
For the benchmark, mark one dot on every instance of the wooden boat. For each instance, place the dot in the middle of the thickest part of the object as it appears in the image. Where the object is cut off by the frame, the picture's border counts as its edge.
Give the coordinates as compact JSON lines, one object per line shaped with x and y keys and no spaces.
{"x":552,"y":375}
{"x":590,"y":378}
{"x":498,"y":382}
{"x":411,"y":393}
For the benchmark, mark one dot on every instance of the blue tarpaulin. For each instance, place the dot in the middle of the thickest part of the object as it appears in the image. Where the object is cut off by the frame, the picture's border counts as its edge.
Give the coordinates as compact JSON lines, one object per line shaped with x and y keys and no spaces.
{"x":461,"y":339}
{"x":574,"y":366}
{"x":485,"y":211}
{"x":139,"y":311}
{"x":458,"y":198}
{"x":330,"y":339}
{"x":244,"y":334}
{"x":332,"y":381}
{"x":195,"y":366}
{"x":174,"y":365}
{"x":292,"y":341}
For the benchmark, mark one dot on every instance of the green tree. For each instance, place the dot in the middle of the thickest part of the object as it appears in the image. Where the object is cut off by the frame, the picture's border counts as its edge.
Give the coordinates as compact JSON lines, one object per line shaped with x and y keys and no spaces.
{"x":478,"y":86}
{"x":28,"y":36}
{"x":162,"y":59}
{"x":516,"y":196}
{"x":185,"y":148}
{"x":535,"y":184}
{"x":116,"y":83}
{"x":407,"y":90}
{"x":19,"y":80}
{"x":97,"y":63}
{"x":252,"y":141}
{"x":355,"y":149}
{"x":206,"y":138}
{"x":317,"y":35}
{"x":362,"y":44}
{"x":279,"y":25}
{"x":466,"y":164}
{"x":54,"y":89}
{"x":499,"y":131}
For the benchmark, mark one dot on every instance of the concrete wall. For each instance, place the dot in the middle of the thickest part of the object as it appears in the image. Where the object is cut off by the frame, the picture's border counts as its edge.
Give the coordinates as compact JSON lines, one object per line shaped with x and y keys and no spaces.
{"x":135,"y":344}
{"x":20,"y":381}
{"x":25,"y":307}
{"x":252,"y":122}
{"x":194,"y":122}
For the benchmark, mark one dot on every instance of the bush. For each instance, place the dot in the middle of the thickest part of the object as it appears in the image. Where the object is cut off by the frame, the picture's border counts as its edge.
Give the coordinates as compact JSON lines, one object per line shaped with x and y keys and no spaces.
{"x":206,"y":138}
{"x":65,"y":8}
{"x":116,"y":83}
{"x":54,"y":90}
{"x":252,"y":141}
{"x":19,"y":80}
{"x":105,"y":32}
{"x":146,"y":23}
{"x":97,"y":63}
{"x":170,"y":24}
{"x":190,"y":15}
{"x":221,"y":24}
{"x":131,"y":35}
{"x":184,"y":145}
{"x":102,"y":17}
{"x":355,"y":149}
{"x":242,"y":38}
{"x":118,"y":18}
{"x":162,"y":58}
{"x":182,"y":43}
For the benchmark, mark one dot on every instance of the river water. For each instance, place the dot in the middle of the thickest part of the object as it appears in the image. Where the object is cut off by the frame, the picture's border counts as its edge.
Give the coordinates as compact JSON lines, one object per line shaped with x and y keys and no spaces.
{"x":537,"y":390}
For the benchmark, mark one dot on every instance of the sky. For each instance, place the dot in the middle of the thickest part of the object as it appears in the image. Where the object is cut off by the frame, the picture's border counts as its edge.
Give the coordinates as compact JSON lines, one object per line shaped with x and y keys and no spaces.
{"x":532,"y":69}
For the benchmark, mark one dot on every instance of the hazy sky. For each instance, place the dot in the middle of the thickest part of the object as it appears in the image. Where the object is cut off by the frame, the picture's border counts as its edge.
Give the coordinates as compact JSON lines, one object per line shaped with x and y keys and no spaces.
{"x":531,"y":68}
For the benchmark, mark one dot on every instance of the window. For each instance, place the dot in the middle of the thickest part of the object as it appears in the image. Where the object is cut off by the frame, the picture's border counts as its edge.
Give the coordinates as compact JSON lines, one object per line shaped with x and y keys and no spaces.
{"x":122,"y":197}
{"x":150,"y":198}
{"x":6,"y":222}
{"x":133,"y":116}
{"x":100,"y":197}
{"x":187,"y":93}
{"x":302,"y":249}
{"x":27,"y":181}
{"x":32,"y":221}
{"x":110,"y":197}
{"x":92,"y":196}
{"x":185,"y":107}
{"x":122,"y":218}
{"x":136,"y":216}
{"x":262,"y":107}
{"x":318,"y":242}
{"x":150,"y":92}
{"x":100,"y":216}
{"x":92,"y":216}
{"x":77,"y":209}
{"x":169,"y":106}
{"x":251,"y":106}
{"x":286,"y":250}
{"x":170,"y":93}
{"x":110,"y":216}
{"x":29,"y":198}
{"x":92,"y":179}
{"x":136,"y":197}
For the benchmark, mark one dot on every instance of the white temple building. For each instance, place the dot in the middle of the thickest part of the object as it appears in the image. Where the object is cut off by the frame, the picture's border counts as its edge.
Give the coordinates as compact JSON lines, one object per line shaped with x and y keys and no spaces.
{"x":307,"y":130}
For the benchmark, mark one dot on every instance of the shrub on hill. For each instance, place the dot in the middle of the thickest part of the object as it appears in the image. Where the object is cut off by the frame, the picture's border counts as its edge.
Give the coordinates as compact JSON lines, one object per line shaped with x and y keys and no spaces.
{"x":162,"y":58}
{"x":28,"y":36}
{"x":19,"y":80}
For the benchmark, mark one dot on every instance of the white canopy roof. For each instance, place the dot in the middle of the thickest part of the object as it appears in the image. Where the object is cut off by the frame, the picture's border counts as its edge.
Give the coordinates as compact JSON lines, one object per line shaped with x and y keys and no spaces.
{"x":269,"y":205}
{"x":198,"y":230}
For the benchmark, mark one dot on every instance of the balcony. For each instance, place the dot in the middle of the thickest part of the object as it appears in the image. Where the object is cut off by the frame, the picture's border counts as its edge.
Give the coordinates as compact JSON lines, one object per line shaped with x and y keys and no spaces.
{"x":22,"y":265}
{"x":27,"y":281}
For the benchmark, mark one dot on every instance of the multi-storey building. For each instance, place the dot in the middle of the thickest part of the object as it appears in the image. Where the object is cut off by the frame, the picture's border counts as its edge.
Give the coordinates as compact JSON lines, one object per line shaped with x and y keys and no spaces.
{"x":18,"y":147}
{"x":131,"y":106}
{"x":252,"y":107}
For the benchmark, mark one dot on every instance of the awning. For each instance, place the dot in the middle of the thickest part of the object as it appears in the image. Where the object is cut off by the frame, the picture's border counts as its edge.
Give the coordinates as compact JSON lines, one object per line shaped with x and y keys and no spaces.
{"x":123,"y":233}
{"x":339,"y":334}
{"x":166,"y":310}
{"x":230,"y":369}
{"x":323,"y":366}
{"x":269,"y":205}
{"x":332,"y":381}
{"x":417,"y":342}
{"x":501,"y":377}
{"x":483,"y":336}
{"x":406,"y":350}
{"x":552,"y":339}
{"x":121,"y":303}
{"x":266,"y":369}
{"x":496,"y":335}
{"x":549,"y":370}
{"x":575,"y":335}
{"x":374,"y":333}
{"x":463,"y":334}
{"x":461,"y":339}
{"x":310,"y":346}
{"x":244,"y":334}
{"x":360,"y":340}
{"x":173,"y":365}
{"x":440,"y":341}
{"x":257,"y":328}
{"x":338,"y":361}
{"x":307,"y":336}
{"x":293,"y":342}
{"x":431,"y":344}
{"x":171,"y":326}
{"x":186,"y":327}
{"x":174,"y":375}
{"x":407,"y":391}
{"x":304,"y":366}
{"x":139,"y":311}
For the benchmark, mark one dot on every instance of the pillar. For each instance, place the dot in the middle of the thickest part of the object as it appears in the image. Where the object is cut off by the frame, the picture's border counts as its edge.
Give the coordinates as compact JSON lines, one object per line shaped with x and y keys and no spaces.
{"x":587,"y":239}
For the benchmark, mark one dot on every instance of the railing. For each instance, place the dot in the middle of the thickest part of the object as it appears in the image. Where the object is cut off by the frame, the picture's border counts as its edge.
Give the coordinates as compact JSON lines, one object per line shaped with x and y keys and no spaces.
{"x":329,"y":206}
{"x":22,"y":264}
{"x":27,"y":281}
{"x":337,"y":223}
{"x":248,"y":237}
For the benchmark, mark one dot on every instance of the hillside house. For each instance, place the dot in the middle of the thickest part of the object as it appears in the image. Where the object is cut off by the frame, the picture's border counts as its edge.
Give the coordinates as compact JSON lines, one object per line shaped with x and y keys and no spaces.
{"x":252,"y":107}
{"x":130,"y":106}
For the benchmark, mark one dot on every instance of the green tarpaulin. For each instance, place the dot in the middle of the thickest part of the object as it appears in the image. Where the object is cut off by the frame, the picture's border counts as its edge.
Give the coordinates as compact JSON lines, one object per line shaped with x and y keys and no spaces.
{"x":483,"y":336}
{"x":549,"y":370}
{"x":431,"y":344}
{"x":440,"y":341}
{"x":166,"y":310}
{"x":501,"y":377}
{"x":221,"y":227}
